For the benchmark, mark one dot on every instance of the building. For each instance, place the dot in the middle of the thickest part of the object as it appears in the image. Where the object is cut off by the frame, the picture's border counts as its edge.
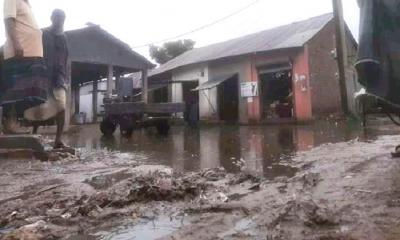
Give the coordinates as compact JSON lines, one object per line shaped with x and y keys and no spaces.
{"x":131,"y":82}
{"x":97,"y":56}
{"x":287,"y":73}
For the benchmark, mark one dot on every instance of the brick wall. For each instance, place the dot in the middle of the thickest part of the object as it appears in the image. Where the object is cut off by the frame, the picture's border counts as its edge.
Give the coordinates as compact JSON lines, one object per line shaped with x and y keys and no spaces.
{"x":324,"y":81}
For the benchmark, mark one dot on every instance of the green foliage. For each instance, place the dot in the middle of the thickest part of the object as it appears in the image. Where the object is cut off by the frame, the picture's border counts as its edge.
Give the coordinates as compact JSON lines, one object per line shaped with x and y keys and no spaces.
{"x":170,"y":50}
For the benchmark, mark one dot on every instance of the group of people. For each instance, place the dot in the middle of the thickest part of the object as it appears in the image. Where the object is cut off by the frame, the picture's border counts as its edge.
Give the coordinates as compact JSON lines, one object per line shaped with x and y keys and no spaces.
{"x":33,"y":84}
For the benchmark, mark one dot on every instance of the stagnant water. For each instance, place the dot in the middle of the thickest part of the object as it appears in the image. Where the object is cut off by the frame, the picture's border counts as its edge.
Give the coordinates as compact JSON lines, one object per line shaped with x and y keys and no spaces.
{"x":145,"y":229}
{"x":265,"y":150}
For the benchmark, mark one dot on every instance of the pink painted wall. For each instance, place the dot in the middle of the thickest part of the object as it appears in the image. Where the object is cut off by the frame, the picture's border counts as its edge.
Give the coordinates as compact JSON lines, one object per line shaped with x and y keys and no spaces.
{"x":301,"y":86}
{"x":253,"y":106}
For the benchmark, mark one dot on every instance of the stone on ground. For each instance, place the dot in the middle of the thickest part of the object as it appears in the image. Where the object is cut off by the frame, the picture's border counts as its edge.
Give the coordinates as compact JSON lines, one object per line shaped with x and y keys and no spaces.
{"x":22,"y":147}
{"x":31,"y":142}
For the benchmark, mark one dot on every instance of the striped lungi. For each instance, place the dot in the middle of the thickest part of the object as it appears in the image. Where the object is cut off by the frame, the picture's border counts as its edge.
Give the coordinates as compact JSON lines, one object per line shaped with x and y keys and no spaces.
{"x":24,"y":83}
{"x":56,"y":103}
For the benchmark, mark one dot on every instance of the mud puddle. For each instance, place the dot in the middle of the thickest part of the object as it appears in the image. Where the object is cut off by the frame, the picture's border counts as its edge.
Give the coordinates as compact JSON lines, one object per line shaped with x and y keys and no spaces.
{"x":6,"y":230}
{"x":149,"y":229}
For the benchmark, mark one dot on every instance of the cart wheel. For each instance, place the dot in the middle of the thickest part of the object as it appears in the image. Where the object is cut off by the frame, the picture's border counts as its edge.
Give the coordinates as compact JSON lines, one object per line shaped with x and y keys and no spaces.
{"x":107,"y":127}
{"x":126,"y":131}
{"x":163,"y":127}
{"x":126,"y":126}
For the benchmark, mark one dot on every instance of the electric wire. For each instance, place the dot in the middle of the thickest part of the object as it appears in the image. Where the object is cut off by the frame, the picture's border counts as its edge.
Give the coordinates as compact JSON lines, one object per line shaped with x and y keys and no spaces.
{"x":200,"y":28}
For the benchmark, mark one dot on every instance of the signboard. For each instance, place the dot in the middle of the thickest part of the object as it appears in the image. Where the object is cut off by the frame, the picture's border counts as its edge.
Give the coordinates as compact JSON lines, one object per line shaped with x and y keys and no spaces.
{"x":249,"y":89}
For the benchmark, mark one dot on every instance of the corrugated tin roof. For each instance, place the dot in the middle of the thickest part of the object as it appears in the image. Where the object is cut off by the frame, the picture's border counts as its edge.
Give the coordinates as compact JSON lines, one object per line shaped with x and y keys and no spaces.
{"x":95,"y":45}
{"x":137,"y":81}
{"x":288,"y":36}
{"x":214,"y":82}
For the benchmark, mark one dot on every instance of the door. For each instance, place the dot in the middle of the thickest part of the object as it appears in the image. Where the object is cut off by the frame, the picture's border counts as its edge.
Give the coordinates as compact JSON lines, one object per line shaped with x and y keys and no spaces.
{"x":228,"y":100}
{"x":191,"y":100}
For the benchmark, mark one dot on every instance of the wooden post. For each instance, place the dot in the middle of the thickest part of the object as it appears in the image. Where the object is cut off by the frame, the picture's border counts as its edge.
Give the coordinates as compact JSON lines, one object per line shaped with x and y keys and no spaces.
{"x":67,"y":121}
{"x":94,"y":100}
{"x":1,"y":120}
{"x":341,"y":48}
{"x":117,"y":80}
{"x":77,"y":98}
{"x":110,"y":78}
{"x":145,"y":86}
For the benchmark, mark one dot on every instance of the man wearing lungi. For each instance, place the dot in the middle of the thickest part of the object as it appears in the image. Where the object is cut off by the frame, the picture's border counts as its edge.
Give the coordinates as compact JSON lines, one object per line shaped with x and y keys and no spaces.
{"x":24,"y":83}
{"x":55,"y":58}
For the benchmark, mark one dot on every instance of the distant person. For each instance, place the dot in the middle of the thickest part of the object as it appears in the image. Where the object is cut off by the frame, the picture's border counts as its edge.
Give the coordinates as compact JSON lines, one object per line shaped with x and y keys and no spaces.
{"x":24,"y":83}
{"x":55,"y":58}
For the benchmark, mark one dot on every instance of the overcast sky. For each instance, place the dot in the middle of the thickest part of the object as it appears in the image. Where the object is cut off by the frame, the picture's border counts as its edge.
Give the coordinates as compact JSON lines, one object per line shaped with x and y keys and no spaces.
{"x":139,"y":22}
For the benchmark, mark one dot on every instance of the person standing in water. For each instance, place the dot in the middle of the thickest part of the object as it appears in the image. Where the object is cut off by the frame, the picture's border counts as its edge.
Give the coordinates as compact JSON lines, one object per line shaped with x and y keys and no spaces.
{"x":55,"y":58}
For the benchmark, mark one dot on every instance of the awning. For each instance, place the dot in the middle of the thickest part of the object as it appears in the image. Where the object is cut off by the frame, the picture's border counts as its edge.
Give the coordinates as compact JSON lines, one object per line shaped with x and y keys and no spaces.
{"x":214,"y":82}
{"x":153,"y":87}
{"x":273,"y":68}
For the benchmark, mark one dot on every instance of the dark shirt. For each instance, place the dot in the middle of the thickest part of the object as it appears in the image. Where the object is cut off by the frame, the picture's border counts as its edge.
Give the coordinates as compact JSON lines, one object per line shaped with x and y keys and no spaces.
{"x":55,"y":51}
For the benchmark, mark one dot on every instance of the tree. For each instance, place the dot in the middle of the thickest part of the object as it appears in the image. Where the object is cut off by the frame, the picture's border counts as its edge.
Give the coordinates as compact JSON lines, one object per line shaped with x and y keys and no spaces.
{"x":170,"y":50}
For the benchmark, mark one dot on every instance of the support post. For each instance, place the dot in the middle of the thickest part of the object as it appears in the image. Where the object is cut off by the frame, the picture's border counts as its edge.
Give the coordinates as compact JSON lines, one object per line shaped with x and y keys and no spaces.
{"x":110,"y":78}
{"x":341,"y":48}
{"x":77,"y":98}
{"x":145,"y":86}
{"x":117,"y":80}
{"x":94,"y":100}
{"x":68,"y":106}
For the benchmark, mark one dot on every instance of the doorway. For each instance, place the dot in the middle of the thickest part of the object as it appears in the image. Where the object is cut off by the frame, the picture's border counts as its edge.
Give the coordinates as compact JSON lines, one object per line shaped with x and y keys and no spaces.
{"x":276,"y":94}
{"x":160,"y":95}
{"x":228,"y":100}
{"x":191,"y":100}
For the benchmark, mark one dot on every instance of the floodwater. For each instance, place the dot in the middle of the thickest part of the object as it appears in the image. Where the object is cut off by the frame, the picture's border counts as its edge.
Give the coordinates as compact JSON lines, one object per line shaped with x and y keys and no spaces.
{"x":265,"y":150}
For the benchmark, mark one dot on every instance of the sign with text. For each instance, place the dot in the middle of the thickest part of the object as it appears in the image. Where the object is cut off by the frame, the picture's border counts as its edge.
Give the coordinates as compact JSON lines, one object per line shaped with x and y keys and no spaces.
{"x":249,"y":89}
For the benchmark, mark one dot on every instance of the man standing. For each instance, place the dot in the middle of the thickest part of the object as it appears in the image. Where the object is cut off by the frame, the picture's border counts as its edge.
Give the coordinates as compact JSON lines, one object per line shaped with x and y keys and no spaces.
{"x":24,"y":83}
{"x":55,"y":58}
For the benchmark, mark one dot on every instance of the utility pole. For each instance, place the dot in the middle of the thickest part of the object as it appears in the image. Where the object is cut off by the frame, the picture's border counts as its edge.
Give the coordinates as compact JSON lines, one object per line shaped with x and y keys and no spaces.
{"x":341,"y":49}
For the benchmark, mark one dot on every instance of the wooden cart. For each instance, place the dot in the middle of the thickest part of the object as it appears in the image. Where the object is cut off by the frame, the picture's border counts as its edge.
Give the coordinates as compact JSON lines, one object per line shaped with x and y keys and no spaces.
{"x":137,"y":115}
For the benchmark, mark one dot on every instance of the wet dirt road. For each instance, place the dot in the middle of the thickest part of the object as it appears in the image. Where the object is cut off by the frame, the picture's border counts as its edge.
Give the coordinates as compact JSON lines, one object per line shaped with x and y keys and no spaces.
{"x":327,"y":181}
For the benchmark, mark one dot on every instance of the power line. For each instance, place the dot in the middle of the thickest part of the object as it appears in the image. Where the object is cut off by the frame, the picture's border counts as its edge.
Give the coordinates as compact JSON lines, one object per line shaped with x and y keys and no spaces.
{"x":202,"y":27}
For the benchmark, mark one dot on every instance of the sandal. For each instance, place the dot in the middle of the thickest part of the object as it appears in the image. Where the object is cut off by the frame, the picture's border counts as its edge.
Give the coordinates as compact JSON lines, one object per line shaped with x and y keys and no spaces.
{"x":396,"y":154}
{"x":59,"y":145}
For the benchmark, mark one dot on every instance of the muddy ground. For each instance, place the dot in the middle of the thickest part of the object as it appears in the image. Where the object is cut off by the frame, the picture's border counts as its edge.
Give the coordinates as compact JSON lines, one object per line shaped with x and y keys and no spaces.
{"x":343,"y":190}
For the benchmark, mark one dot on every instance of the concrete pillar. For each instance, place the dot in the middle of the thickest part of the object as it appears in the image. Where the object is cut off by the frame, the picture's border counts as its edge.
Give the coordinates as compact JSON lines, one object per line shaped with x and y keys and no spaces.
{"x":110,"y":78}
{"x":145,"y":86}
{"x":301,"y":87}
{"x":117,"y":80}
{"x":94,"y":100}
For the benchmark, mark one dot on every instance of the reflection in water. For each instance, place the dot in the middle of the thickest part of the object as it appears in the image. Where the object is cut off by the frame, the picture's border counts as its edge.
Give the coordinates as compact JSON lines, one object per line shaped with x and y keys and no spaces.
{"x":263,"y":149}
{"x":145,"y":229}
